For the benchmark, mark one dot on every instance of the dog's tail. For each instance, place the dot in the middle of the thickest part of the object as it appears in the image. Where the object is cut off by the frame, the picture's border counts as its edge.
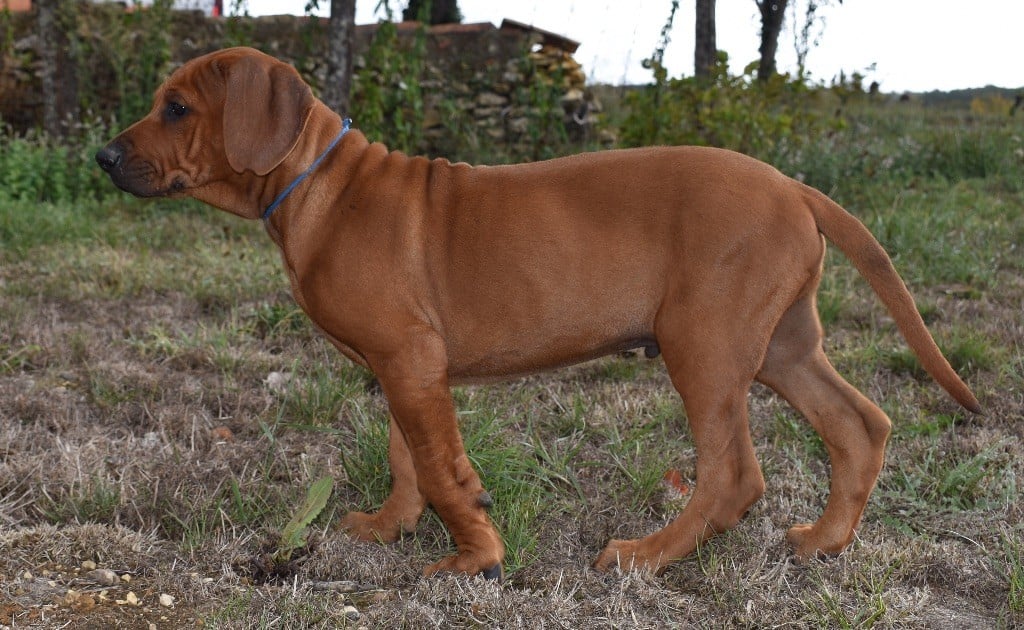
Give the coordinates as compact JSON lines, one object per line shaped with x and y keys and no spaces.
{"x":853,"y":239}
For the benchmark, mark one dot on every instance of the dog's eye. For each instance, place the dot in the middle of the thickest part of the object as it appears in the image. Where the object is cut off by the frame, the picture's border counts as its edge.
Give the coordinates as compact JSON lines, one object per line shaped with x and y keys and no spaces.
{"x":175,"y":110}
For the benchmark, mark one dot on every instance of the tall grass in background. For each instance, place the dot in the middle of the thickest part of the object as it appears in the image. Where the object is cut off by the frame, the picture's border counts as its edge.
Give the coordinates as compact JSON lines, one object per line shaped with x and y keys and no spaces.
{"x":826,"y":136}
{"x":908,"y":142}
{"x":35,"y":167}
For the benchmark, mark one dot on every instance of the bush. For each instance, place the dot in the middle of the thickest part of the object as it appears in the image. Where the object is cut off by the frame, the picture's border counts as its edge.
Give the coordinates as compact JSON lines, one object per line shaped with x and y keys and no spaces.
{"x":37,"y":167}
{"x":769,"y":119}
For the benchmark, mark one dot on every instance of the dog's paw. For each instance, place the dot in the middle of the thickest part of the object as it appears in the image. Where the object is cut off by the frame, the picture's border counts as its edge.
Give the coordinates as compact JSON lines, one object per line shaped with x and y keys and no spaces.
{"x":370,"y":527}
{"x":469,"y":565}
{"x":618,"y":553}
{"x":808,"y":543}
{"x":628,"y":555}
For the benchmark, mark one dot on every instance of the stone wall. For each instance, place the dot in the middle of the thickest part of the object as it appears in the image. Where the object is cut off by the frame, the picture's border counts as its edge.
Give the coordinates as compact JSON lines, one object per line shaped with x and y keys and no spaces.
{"x":485,"y":78}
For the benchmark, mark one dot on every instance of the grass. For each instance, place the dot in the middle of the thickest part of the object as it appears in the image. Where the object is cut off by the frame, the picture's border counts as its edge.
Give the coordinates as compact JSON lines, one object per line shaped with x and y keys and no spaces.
{"x":138,"y":340}
{"x":1014,"y":554}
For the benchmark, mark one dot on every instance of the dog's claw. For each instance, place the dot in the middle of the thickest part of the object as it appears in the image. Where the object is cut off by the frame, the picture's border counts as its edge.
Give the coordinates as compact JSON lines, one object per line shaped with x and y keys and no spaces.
{"x":494,"y":573}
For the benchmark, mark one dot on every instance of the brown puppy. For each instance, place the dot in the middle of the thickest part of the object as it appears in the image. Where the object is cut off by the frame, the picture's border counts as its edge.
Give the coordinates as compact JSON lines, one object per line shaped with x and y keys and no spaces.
{"x":430,"y":273}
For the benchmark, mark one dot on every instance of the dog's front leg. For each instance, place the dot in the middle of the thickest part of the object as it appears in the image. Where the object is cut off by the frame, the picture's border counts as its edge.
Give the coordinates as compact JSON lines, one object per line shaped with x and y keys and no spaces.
{"x":403,"y":507}
{"x":415,"y":380}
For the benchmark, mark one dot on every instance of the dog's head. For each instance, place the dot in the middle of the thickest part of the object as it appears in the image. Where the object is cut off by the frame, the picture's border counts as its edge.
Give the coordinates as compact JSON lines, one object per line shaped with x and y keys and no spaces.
{"x":219,"y":119}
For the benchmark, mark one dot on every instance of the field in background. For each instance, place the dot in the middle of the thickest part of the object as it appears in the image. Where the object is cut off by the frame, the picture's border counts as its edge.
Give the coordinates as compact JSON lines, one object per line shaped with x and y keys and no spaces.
{"x":164,"y":406}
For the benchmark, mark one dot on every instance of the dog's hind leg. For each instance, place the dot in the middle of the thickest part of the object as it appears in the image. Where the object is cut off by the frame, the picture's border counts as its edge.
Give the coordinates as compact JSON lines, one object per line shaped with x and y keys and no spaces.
{"x":853,"y":428}
{"x":403,"y":507}
{"x":712,"y":364}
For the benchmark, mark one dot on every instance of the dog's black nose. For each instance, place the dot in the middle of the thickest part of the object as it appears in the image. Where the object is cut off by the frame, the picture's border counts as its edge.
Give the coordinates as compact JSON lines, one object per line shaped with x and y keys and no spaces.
{"x":109,"y":157}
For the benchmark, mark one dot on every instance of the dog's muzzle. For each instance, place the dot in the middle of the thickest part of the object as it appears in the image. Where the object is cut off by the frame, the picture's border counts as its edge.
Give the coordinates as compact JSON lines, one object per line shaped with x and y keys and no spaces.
{"x":134,"y":177}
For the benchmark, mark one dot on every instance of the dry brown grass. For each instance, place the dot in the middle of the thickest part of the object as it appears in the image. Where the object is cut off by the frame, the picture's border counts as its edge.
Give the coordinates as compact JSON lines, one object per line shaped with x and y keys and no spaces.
{"x":138,"y":431}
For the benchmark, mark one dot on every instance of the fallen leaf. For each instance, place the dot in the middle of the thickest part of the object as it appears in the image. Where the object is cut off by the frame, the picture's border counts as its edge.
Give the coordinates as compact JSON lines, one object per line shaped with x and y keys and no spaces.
{"x":674,"y":480}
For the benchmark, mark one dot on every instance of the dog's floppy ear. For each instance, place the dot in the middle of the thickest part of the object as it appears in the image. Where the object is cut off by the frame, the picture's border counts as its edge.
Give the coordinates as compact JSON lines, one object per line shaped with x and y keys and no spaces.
{"x":266,"y":105}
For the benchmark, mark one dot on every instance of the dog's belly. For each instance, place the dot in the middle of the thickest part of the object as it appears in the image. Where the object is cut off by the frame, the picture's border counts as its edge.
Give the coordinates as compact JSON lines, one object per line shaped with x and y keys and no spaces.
{"x":500,"y":364}
{"x":525,"y":336}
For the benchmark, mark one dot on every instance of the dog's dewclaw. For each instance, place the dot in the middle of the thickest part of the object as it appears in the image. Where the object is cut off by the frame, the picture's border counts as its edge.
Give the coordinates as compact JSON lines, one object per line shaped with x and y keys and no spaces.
{"x":485,"y":500}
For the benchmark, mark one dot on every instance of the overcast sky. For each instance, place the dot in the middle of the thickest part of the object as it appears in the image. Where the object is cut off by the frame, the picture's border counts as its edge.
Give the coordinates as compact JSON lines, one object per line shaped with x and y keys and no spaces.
{"x":914,"y":45}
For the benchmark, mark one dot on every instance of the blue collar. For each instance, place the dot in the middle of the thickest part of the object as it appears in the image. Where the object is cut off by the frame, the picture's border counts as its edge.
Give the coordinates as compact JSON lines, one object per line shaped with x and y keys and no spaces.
{"x":312,"y":167}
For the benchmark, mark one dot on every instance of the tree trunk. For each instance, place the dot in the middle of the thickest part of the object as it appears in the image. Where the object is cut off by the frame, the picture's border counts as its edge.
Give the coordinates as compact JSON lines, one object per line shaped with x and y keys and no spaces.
{"x":46,"y":16}
{"x":340,"y":41}
{"x":773,"y":12}
{"x":706,"y":52}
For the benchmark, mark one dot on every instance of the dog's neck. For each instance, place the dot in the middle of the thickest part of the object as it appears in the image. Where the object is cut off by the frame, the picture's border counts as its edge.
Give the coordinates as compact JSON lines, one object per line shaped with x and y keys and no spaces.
{"x":323,"y":126}
{"x":310,"y":170}
{"x":248,"y":195}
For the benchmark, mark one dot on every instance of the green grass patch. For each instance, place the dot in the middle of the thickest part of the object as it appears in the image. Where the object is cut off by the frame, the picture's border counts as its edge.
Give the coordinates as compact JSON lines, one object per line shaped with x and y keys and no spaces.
{"x":641,"y":454}
{"x":316,"y":398}
{"x":1014,"y":552}
{"x":861,"y":606}
{"x":937,"y":477}
{"x":94,"y":499}
{"x":967,"y":351}
{"x":792,"y":429}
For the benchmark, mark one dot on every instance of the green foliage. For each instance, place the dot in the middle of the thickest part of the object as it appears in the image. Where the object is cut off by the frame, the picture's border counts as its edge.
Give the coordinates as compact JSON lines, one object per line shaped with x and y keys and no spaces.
{"x":540,"y":99}
{"x":238,"y":28}
{"x":317,"y":400}
{"x":423,"y":10}
{"x":389,"y":104}
{"x":364,"y":455}
{"x":387,"y":98}
{"x":6,"y":31}
{"x":900,"y":142}
{"x":130,"y":49}
{"x":516,"y":483}
{"x":37,"y":168}
{"x":767,"y":119}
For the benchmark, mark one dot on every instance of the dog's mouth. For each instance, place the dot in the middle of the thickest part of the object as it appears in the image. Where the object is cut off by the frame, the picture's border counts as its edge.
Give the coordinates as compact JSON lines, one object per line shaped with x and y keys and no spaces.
{"x":135,"y":176}
{"x":137,"y":187}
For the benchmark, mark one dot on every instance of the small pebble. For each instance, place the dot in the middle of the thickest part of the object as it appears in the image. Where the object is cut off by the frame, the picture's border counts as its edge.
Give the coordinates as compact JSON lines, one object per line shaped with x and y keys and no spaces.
{"x":106,"y":577}
{"x":351,"y":613}
{"x":166,"y":600}
{"x":277,"y":382}
{"x":88,"y":565}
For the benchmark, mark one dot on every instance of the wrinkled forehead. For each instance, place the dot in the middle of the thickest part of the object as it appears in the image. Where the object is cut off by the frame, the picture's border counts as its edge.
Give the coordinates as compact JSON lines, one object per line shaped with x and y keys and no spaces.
{"x":194,"y":80}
